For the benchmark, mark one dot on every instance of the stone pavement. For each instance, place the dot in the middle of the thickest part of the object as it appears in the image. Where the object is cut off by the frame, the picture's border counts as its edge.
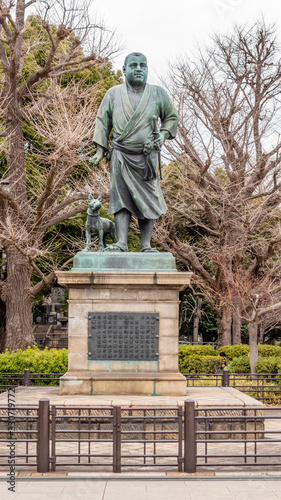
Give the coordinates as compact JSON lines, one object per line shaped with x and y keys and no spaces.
{"x":148,"y":488}
{"x":203,"y":396}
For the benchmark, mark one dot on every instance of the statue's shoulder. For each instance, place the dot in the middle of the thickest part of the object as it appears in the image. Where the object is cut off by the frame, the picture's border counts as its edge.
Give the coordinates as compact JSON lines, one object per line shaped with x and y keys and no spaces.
{"x":115,"y":90}
{"x":158,"y":90}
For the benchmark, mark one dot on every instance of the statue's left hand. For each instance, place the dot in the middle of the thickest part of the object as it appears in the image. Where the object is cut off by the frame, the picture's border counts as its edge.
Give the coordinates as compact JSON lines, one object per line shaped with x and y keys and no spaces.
{"x":96,"y":159}
{"x":162,"y":136}
{"x":158,"y":143}
{"x":148,"y":146}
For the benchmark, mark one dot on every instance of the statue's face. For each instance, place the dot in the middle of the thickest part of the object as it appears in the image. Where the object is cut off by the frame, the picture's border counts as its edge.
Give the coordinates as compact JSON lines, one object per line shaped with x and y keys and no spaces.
{"x":136,"y":70}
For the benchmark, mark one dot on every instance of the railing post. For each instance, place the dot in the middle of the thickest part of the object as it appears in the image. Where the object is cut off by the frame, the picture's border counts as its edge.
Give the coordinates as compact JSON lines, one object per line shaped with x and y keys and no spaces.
{"x":225,"y":378}
{"x":116,"y":438}
{"x":189,"y":436}
{"x":26,"y":377}
{"x":43,"y":455}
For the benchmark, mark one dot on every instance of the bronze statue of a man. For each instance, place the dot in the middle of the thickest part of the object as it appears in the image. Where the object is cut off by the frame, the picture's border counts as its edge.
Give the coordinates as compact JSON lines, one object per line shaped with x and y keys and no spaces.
{"x":131,"y":111}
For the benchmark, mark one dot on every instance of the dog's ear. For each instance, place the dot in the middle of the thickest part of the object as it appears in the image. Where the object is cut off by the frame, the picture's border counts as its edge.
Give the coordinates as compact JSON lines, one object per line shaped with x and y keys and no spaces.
{"x":99,"y":198}
{"x":90,"y":197}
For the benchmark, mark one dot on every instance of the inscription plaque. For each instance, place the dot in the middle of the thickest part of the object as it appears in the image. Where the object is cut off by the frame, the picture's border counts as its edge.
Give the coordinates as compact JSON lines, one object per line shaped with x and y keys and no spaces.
{"x":123,"y":336}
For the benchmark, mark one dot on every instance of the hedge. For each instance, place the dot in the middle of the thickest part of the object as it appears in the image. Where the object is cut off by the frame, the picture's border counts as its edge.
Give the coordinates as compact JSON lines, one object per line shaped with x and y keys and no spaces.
{"x":266,"y":350}
{"x":234,"y":351}
{"x":264,"y":365}
{"x":47,"y":361}
{"x":204,"y":364}
{"x":205,"y":359}
{"x":268,"y":365}
{"x":197,"y":350}
{"x":240,"y":365}
{"x":192,"y":359}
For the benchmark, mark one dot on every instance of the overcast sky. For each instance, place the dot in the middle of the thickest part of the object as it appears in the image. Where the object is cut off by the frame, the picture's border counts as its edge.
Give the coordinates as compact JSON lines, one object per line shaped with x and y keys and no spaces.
{"x":166,"y":29}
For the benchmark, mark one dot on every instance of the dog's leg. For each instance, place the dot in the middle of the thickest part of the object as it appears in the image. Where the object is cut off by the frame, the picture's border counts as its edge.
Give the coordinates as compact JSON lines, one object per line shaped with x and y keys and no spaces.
{"x":101,"y":240}
{"x":88,"y":240}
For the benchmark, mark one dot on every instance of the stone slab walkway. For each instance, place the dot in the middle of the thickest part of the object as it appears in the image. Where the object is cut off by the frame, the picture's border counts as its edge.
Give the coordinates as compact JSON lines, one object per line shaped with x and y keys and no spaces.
{"x":145,"y":489}
{"x":203,"y":396}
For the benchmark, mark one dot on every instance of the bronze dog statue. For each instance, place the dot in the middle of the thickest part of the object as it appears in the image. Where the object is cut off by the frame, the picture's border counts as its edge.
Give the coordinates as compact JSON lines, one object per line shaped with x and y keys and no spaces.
{"x":98,"y":225}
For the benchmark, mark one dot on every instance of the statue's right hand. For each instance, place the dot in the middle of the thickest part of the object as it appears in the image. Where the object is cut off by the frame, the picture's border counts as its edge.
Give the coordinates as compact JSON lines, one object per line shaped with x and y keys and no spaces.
{"x":96,"y":159}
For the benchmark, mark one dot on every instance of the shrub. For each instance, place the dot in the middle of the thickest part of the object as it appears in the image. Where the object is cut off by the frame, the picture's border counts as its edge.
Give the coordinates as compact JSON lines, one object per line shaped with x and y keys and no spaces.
{"x":47,"y":361}
{"x":204,"y":364}
{"x":268,"y":365}
{"x":196,"y":350}
{"x":234,"y":351}
{"x":279,"y":371}
{"x":240,"y":365}
{"x":264,"y":365}
{"x":266,"y":350}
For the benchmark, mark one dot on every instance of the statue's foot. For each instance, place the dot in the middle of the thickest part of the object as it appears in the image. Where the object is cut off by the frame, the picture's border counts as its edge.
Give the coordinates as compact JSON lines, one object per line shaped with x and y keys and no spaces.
{"x":149,"y":249}
{"x":116,"y":247}
{"x":86,"y":249}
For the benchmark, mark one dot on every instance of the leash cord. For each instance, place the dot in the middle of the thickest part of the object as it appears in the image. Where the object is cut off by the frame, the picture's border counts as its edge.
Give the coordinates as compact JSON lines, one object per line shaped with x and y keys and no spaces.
{"x":99,"y":179}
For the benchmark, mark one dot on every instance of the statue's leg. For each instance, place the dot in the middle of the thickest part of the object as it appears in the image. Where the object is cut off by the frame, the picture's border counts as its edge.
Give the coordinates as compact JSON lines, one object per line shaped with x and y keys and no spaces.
{"x":88,"y":240}
{"x":122,"y":221}
{"x":146,"y":227}
{"x":112,"y":233}
{"x":101,"y":241}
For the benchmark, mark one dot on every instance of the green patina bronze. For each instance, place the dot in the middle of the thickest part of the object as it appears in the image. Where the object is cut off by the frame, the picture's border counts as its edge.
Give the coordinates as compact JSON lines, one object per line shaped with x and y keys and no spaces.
{"x":120,"y":261}
{"x":131,"y":111}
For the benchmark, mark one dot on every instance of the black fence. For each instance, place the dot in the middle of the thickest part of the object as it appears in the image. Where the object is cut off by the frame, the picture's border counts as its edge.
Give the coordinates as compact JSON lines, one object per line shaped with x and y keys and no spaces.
{"x":108,"y":438}
{"x":8,"y":380}
{"x":246,"y":437}
{"x":263,"y":386}
{"x":114,"y":438}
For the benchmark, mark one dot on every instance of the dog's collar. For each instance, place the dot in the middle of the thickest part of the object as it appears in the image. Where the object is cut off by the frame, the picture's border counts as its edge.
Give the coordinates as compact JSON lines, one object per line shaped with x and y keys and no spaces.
{"x":92,"y":215}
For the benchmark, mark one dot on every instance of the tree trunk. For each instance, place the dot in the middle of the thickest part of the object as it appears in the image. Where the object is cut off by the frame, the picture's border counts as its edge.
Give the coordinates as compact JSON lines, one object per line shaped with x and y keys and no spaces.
{"x":253,"y":343}
{"x":261,"y":333}
{"x":236,"y":329}
{"x":16,"y":158}
{"x":18,"y":302}
{"x":197,"y":314}
{"x":2,"y":325}
{"x":224,"y":326}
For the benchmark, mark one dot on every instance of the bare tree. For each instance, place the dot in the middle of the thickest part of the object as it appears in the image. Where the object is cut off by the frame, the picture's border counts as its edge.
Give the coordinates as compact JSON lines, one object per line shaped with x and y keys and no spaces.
{"x":224,"y":185}
{"x":63,"y":119}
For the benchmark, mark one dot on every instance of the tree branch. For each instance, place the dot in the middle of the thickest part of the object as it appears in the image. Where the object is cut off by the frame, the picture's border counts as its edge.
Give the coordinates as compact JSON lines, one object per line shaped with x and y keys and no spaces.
{"x":47,"y":279}
{"x":13,"y":204}
{"x":66,"y":215}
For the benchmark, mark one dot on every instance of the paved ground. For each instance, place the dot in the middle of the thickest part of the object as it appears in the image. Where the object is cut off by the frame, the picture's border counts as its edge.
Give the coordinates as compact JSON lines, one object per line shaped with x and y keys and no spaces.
{"x":258,"y":488}
{"x":203,"y":396}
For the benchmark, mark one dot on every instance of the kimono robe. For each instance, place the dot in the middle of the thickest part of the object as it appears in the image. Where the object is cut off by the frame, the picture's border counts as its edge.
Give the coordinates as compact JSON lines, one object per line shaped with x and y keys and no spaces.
{"x":134,"y":182}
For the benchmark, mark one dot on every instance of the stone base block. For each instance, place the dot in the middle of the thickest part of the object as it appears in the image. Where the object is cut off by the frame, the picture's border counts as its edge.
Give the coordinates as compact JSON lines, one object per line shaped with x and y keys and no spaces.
{"x":142,"y":384}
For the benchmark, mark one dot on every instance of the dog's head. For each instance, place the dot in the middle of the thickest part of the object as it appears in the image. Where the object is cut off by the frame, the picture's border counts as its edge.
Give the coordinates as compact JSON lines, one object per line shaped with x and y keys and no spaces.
{"x":94,"y":203}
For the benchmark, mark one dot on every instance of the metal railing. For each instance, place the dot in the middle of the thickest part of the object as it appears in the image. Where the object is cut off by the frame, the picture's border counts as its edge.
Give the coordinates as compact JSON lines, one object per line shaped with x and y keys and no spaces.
{"x":27,"y":378}
{"x":262,"y":386}
{"x":247,"y":441}
{"x":114,"y":438}
{"x":50,"y":437}
{"x":145,"y":434}
{"x":25,"y":435}
{"x":84,"y":436}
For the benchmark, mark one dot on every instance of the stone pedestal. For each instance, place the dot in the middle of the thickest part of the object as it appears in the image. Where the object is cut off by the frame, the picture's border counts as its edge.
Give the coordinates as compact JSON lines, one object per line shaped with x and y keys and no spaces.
{"x":123,"y":292}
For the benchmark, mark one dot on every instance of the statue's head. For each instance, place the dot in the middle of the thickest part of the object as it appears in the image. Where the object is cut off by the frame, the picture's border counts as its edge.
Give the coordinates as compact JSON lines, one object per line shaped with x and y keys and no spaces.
{"x":135,"y":69}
